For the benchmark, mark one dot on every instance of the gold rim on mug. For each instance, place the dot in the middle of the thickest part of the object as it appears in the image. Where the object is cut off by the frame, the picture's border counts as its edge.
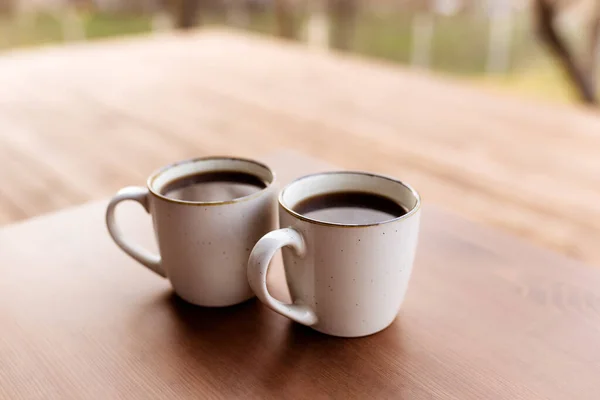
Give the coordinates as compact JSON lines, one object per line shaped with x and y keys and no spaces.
{"x":411,"y":212}
{"x":160,"y":171}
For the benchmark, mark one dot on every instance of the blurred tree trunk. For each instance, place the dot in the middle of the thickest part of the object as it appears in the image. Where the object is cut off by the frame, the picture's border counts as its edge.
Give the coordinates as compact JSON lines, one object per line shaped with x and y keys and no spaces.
{"x":594,"y":46}
{"x":582,"y":74}
{"x":343,"y":22}
{"x":317,"y":26}
{"x":284,"y":13}
{"x":237,"y":13}
{"x":499,"y":43}
{"x":6,"y":7}
{"x":162,"y":17}
{"x":423,"y":29}
{"x":187,"y":13}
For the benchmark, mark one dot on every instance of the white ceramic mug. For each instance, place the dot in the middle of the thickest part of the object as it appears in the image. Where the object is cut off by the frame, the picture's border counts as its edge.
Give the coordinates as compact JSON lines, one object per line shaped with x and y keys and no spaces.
{"x":204,"y":246}
{"x":344,"y":280}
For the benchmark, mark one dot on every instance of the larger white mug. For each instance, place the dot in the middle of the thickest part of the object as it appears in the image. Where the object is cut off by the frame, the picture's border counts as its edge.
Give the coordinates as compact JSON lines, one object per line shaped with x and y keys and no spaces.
{"x":344,"y":280}
{"x":204,"y":246}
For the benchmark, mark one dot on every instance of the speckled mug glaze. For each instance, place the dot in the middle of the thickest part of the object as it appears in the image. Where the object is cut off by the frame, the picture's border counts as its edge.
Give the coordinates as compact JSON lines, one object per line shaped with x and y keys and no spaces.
{"x":204,"y":246}
{"x":344,"y":280}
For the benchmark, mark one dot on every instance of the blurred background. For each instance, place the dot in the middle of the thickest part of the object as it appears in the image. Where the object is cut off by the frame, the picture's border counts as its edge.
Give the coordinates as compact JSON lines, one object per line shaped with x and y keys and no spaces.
{"x":500,"y":43}
{"x":489,"y":107}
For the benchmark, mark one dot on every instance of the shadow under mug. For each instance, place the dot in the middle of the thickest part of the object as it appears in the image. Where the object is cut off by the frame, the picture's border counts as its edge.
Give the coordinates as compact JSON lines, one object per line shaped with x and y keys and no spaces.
{"x":345,"y":280}
{"x":204,"y":246}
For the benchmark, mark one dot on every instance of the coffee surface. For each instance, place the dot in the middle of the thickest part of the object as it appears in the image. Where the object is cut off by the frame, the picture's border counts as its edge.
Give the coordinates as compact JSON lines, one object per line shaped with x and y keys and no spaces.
{"x":354,"y":208}
{"x":213,"y":186}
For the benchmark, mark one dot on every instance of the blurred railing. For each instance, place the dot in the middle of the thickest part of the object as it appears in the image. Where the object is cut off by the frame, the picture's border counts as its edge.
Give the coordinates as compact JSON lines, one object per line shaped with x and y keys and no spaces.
{"x":453,"y":38}
{"x":467,"y":37}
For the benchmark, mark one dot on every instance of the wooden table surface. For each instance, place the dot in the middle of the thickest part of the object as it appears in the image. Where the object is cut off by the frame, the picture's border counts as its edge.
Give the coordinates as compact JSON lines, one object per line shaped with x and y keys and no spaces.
{"x":487,"y":316}
{"x":77,"y":122}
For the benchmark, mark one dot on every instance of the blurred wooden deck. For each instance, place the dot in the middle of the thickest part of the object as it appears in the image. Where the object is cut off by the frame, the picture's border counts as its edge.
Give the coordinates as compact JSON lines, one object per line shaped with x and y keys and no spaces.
{"x":78,"y":122}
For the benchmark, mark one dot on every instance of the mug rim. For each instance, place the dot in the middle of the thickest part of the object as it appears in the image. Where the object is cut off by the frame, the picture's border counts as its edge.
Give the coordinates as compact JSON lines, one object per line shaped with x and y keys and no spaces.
{"x":299,"y":216}
{"x":164,"y":168}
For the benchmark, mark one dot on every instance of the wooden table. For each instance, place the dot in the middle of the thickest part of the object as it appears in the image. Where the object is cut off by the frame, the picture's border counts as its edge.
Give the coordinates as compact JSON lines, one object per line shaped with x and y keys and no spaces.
{"x":486,"y":317}
{"x":77,"y":122}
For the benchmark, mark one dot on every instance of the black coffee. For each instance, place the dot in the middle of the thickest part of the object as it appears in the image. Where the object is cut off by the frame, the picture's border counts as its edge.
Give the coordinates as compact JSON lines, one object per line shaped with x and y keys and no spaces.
{"x":213,"y":186}
{"x":356,"y":208}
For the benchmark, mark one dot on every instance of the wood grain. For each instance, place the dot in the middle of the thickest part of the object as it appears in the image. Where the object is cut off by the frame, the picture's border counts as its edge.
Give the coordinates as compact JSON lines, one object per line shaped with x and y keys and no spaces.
{"x":88,"y":119}
{"x":486,"y":317}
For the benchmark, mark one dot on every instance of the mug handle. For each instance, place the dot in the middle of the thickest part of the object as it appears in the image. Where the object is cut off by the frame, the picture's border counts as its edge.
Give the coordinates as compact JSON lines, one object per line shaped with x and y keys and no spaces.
{"x":258,"y":265}
{"x":138,"y":253}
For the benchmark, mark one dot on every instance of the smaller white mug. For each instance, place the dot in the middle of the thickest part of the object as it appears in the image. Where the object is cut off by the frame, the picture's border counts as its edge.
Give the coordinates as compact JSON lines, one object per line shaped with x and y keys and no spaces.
{"x":204,"y":246}
{"x":344,"y":280}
